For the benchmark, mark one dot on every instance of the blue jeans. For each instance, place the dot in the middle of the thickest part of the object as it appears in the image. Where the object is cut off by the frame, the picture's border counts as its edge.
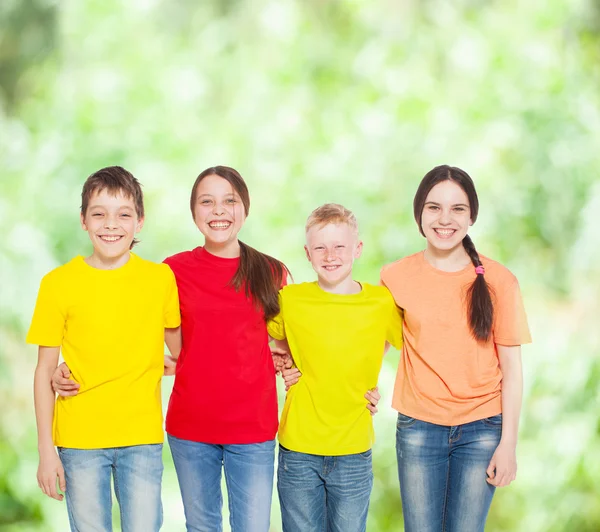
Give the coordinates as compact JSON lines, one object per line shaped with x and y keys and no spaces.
{"x":324,"y":493}
{"x":442,"y":473}
{"x":249,"y":470}
{"x":137,"y":472}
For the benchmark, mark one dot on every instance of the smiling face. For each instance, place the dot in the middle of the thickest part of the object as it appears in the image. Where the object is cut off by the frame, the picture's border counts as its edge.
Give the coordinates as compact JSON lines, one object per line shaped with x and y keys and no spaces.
{"x":332,"y":249}
{"x":219,"y":213}
{"x":446,"y":216}
{"x":111,"y":222}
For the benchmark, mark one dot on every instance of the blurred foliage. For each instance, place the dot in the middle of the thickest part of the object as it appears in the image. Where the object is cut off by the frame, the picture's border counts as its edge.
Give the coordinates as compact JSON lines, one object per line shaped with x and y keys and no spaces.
{"x":316,"y":101}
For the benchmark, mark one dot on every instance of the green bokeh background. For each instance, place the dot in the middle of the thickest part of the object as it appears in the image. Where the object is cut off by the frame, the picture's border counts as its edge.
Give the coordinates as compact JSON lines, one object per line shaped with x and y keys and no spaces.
{"x":312,"y":101}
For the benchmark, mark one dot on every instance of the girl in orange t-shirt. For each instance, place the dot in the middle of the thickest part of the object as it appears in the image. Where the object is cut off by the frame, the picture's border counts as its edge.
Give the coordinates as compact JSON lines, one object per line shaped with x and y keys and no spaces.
{"x":459,"y":383}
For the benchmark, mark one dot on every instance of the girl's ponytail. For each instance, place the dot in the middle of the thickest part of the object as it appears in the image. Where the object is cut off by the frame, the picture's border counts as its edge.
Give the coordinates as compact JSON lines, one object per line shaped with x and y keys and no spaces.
{"x":261,"y":277}
{"x":480,"y":308}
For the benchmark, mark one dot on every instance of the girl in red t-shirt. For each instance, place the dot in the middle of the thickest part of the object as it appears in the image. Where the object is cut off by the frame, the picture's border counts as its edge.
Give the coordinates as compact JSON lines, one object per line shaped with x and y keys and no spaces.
{"x":223,"y":409}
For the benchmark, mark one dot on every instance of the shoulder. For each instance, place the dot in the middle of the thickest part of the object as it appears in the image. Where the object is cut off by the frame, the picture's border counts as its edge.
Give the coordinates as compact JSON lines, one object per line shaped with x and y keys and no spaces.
{"x":379,"y":295}
{"x":292,"y":291}
{"x":405,"y":267}
{"x":184,"y":256}
{"x":152,"y":268}
{"x":497,"y":274}
{"x":64,"y":273}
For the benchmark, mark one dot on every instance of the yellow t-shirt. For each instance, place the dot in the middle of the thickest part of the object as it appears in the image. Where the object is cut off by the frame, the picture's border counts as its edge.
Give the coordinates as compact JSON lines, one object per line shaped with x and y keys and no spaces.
{"x":110,"y":327}
{"x":337,"y":342}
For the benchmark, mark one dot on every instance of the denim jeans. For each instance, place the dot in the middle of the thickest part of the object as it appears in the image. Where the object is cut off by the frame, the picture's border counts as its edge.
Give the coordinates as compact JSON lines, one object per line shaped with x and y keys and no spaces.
{"x":442,"y":473}
{"x":249,"y":470}
{"x":137,"y":473}
{"x":324,"y":493}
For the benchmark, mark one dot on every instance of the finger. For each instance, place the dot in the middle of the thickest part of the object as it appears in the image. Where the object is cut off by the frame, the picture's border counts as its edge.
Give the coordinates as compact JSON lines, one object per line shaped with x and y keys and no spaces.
{"x":62,"y":482}
{"x":65,"y":371}
{"x":53,"y":492}
{"x":491,"y":468}
{"x":66,"y":384}
{"x":278,"y":350}
{"x":288,"y":362}
{"x":371,"y":408}
{"x":63,"y":393}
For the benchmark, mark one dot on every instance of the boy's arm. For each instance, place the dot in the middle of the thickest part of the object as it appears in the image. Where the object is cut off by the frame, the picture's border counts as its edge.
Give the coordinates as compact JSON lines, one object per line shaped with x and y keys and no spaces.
{"x":174,"y":344}
{"x":50,"y":466}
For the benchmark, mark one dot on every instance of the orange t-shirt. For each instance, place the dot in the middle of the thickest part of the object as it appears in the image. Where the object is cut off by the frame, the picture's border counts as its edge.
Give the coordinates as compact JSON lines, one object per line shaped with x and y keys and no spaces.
{"x":445,"y":376}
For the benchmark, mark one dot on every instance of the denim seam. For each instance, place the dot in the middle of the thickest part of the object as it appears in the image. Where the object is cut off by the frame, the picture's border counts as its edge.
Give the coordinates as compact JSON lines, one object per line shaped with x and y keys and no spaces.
{"x":445,"y":505}
{"x":229,"y":501}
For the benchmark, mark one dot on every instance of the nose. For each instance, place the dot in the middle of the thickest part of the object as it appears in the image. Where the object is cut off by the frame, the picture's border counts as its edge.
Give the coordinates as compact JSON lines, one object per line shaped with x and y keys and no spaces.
{"x":110,"y":222}
{"x":445,"y":218}
{"x":218,"y":209}
{"x":330,"y":255}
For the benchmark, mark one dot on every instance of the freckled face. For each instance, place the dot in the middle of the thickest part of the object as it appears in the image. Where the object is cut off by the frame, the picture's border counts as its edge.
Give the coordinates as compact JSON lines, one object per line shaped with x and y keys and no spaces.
{"x":446,"y":216}
{"x":332,"y":249}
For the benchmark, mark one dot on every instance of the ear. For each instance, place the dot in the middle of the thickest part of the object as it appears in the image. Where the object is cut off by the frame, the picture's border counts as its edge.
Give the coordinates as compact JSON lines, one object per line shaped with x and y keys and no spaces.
{"x":82,"y":221}
{"x":139,"y":225}
{"x":358,"y":249}
{"x":307,"y":253}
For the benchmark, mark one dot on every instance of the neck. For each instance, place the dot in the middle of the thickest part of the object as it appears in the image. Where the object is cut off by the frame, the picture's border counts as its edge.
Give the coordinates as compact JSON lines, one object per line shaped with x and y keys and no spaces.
{"x":107,"y":263}
{"x":447,"y":260}
{"x":346,"y":286}
{"x":225,"y":250}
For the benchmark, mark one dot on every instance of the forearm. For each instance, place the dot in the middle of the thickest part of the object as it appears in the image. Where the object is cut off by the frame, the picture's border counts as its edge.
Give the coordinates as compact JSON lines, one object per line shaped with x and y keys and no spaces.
{"x":512,"y":391}
{"x":173,"y":341}
{"x":44,"y":407}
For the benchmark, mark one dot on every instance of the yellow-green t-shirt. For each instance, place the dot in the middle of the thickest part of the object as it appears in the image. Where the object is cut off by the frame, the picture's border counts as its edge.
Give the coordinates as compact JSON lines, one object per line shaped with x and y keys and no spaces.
{"x":110,"y":326}
{"x":337,"y":342}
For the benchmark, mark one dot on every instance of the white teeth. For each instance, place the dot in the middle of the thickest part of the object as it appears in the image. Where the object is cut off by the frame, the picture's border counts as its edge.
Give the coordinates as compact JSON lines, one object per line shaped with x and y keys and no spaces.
{"x":444,"y":232}
{"x":219,"y":225}
{"x":331,"y":268}
{"x":107,"y":238}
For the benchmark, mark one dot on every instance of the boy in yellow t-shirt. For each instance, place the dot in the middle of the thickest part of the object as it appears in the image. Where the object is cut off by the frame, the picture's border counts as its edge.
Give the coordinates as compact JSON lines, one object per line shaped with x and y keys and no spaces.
{"x":337,"y":331}
{"x":108,"y":314}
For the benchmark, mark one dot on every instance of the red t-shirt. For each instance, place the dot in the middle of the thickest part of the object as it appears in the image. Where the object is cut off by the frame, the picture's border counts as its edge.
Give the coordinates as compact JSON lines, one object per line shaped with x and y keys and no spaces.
{"x":224,"y":391}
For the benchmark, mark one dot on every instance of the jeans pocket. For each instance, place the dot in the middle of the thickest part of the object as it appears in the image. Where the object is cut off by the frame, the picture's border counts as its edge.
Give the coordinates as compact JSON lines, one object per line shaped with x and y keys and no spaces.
{"x":494,"y":421}
{"x":405,"y":421}
{"x":366,"y":455}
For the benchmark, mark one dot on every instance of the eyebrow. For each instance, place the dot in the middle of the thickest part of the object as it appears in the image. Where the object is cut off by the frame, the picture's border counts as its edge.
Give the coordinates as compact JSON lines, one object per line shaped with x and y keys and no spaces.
{"x":127,"y":207}
{"x":233,"y":194}
{"x":439,"y":204}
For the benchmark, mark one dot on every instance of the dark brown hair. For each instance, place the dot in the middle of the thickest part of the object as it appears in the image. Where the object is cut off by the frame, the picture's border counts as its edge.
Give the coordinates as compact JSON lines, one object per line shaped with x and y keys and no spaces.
{"x":260,"y":275}
{"x":113,"y":179}
{"x":480,"y":308}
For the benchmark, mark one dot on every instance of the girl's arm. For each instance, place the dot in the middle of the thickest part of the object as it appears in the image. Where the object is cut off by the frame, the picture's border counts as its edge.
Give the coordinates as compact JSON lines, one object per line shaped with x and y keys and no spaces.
{"x":503,"y":466}
{"x":50,"y":466}
{"x":174,"y":344}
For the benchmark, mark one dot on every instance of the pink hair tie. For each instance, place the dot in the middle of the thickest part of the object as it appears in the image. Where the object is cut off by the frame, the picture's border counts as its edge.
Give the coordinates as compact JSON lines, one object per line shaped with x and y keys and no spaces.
{"x":479,"y":270}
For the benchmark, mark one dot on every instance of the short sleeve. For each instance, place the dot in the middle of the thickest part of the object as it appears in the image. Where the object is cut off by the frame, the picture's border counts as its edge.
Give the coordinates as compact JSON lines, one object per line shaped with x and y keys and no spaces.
{"x":276,"y":326}
{"x":394,"y":331}
{"x":172,"y":313}
{"x":510,"y":320}
{"x":48,"y":322}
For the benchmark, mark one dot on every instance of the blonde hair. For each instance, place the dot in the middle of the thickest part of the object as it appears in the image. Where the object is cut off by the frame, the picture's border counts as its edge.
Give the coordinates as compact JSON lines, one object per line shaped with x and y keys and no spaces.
{"x":332,"y":213}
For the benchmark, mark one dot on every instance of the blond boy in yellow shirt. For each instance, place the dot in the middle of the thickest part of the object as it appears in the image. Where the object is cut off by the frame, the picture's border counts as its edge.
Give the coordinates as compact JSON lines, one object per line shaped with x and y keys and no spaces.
{"x":337,"y":330}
